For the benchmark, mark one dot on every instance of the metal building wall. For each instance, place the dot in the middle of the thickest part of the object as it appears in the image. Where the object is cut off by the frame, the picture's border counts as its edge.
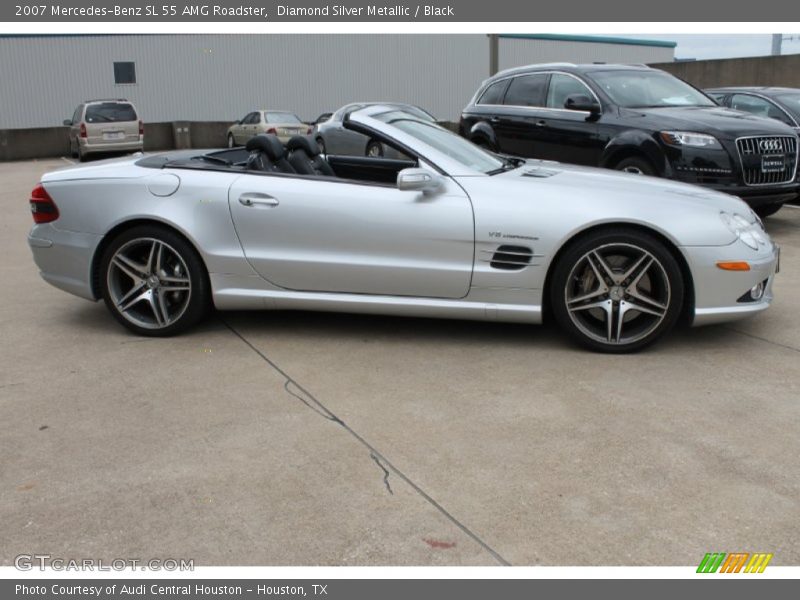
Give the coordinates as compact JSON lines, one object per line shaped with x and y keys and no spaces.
{"x":515,"y":52}
{"x":221,"y":77}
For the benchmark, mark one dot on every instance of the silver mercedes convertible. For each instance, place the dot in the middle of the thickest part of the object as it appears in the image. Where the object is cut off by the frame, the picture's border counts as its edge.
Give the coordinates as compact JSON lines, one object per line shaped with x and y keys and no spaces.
{"x":452,"y":231}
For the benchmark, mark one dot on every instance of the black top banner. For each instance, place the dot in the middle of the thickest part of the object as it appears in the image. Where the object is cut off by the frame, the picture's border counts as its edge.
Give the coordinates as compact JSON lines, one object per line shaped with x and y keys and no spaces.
{"x":435,"y":11}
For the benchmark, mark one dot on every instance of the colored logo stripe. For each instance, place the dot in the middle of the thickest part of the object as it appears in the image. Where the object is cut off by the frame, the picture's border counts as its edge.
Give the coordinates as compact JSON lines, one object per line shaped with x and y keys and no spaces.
{"x":734,"y":562}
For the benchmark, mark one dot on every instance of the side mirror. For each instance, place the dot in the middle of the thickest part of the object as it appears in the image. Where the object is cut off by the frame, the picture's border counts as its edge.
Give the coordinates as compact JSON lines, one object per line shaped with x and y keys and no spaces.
{"x":67,"y":123}
{"x":418,"y":180}
{"x":238,"y":121}
{"x":582,"y":102}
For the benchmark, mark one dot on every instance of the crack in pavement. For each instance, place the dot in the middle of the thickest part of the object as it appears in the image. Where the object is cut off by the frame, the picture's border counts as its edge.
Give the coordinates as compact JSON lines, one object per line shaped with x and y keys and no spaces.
{"x":762,"y":339}
{"x":308,"y":399}
{"x":378,"y":462}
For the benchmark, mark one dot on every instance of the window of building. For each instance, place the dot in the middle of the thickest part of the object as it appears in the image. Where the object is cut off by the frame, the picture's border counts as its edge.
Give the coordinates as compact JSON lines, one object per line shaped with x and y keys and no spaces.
{"x":124,"y":72}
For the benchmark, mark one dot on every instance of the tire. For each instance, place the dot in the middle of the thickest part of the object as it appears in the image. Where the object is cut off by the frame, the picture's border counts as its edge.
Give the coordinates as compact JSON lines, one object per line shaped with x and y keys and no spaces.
{"x":154,"y":282}
{"x":641,"y":291}
{"x":482,"y":143}
{"x":374,"y":149}
{"x":231,"y":141}
{"x":768,"y":209}
{"x":636,"y":165}
{"x":321,"y":144}
{"x":81,"y":155}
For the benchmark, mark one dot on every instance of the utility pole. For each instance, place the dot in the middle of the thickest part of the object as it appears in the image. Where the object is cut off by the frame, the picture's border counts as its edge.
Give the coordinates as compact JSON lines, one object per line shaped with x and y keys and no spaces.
{"x":777,"y":42}
{"x":494,"y":54}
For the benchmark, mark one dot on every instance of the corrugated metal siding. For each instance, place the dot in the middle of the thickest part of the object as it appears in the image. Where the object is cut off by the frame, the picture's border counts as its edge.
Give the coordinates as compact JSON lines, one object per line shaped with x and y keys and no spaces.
{"x":517,"y":52}
{"x":221,"y":77}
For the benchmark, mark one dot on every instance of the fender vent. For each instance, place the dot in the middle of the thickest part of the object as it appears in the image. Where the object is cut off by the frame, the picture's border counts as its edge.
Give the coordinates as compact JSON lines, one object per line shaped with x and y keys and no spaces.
{"x":511,"y":258}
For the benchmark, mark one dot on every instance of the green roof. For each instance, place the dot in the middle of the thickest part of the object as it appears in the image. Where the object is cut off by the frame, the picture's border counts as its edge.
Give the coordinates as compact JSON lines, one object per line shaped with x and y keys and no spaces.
{"x":592,"y":39}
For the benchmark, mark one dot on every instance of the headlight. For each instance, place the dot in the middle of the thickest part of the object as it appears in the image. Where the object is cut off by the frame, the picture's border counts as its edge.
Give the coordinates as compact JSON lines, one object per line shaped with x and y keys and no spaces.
{"x":690,"y":139}
{"x":749,"y":232}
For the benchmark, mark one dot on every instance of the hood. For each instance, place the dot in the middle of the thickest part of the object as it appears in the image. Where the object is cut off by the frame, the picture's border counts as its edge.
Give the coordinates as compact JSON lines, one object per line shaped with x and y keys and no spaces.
{"x":719,"y":121}
{"x":585,"y":196}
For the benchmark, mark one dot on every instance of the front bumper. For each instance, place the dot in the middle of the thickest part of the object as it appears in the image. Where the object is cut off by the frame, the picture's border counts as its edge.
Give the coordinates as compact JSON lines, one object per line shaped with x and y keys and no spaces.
{"x":717,"y":292}
{"x":64,"y":258}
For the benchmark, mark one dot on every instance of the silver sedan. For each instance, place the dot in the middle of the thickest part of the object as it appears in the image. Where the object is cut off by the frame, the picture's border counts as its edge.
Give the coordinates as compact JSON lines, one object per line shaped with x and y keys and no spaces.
{"x":334,"y":138}
{"x":453,"y":231}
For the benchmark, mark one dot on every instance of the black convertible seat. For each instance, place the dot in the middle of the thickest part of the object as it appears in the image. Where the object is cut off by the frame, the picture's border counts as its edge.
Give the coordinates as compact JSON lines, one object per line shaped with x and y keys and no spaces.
{"x":305,"y":159}
{"x":267,"y":154}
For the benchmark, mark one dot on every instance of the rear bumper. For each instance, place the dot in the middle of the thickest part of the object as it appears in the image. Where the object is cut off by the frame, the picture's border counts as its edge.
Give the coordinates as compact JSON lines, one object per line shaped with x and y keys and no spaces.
{"x":718,"y":292}
{"x":120,"y":146}
{"x":64,"y":258}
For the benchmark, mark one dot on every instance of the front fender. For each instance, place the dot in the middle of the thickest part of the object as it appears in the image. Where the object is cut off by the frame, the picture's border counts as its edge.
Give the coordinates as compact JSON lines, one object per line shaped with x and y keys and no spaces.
{"x":635,"y":143}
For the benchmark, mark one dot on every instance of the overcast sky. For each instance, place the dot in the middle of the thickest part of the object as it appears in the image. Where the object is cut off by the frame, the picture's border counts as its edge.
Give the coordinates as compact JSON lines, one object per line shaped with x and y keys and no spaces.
{"x":724,"y":45}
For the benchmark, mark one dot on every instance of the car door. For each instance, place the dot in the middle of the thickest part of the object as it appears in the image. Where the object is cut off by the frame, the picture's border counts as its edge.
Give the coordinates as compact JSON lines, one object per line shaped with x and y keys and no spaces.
{"x":322,"y":235}
{"x":515,"y":123}
{"x":564,"y":135}
{"x":240,"y":131}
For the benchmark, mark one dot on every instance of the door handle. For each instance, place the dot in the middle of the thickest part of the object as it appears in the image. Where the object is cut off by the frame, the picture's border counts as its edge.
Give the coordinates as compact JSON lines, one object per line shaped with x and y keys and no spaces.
{"x":540,"y":123}
{"x":255,"y":198}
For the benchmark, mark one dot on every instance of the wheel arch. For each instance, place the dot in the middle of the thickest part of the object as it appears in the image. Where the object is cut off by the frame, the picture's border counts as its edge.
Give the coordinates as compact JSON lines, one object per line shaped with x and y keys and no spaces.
{"x":687,"y":310}
{"x":482,"y":131}
{"x":119,"y":228}
{"x":638,"y":144}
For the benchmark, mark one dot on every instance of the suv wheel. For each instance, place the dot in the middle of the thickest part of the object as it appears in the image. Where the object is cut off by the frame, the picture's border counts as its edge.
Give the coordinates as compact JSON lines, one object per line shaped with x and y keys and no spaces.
{"x":635,"y":165}
{"x":768,"y":209}
{"x":617,"y":291}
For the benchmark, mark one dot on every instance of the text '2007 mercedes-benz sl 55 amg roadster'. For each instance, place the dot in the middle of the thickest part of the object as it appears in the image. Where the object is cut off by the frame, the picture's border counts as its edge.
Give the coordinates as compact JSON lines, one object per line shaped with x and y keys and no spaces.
{"x":450,"y":230}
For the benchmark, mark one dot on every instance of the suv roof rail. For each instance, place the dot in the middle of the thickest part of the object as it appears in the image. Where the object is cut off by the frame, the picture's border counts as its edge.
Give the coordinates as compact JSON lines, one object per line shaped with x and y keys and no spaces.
{"x":537,"y":65}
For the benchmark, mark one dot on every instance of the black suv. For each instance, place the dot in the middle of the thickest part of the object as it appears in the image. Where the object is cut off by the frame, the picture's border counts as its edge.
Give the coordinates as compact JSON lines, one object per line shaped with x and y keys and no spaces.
{"x":635,"y":119}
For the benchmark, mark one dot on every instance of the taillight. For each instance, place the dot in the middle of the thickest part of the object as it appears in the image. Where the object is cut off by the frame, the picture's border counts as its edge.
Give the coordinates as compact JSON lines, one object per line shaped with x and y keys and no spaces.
{"x":309,"y":130}
{"x":43,"y":208}
{"x":272,"y":130}
{"x":141,"y":127}
{"x":83,"y":133}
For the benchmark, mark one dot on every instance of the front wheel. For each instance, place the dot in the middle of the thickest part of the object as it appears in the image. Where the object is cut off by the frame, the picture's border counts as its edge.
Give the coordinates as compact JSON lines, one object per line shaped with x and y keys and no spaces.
{"x":636,"y":166}
{"x":231,"y":141}
{"x":617,"y":291}
{"x":768,"y":209}
{"x":154,"y":282}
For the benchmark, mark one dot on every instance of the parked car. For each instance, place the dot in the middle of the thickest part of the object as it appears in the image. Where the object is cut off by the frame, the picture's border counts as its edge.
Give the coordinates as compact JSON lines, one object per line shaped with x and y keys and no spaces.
{"x":322,"y":118}
{"x":280,"y":123}
{"x":334,"y":138}
{"x":109,"y":125}
{"x":635,"y":119}
{"x":782,"y":104}
{"x":463,"y":233}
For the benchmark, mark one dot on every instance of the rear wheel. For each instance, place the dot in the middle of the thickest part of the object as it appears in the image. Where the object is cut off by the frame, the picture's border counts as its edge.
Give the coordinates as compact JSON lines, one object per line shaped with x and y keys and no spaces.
{"x":374,"y":149}
{"x":768,"y":209}
{"x":635,"y":165}
{"x":617,"y":291}
{"x":154,"y":283}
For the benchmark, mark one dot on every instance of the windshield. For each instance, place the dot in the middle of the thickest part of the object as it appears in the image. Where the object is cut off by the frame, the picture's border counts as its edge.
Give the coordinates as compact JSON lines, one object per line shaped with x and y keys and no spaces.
{"x":281,"y":117}
{"x":792,"y":103}
{"x":648,"y":89}
{"x":444,"y":141}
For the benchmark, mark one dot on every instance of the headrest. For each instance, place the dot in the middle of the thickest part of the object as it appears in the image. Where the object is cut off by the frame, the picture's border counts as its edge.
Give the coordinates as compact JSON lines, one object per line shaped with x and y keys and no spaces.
{"x":305,"y":143}
{"x":268,"y":144}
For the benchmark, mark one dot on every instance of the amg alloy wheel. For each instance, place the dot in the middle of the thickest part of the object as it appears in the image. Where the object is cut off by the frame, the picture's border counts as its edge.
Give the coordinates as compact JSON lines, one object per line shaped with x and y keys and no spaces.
{"x":617,"y":292}
{"x":154,"y":282}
